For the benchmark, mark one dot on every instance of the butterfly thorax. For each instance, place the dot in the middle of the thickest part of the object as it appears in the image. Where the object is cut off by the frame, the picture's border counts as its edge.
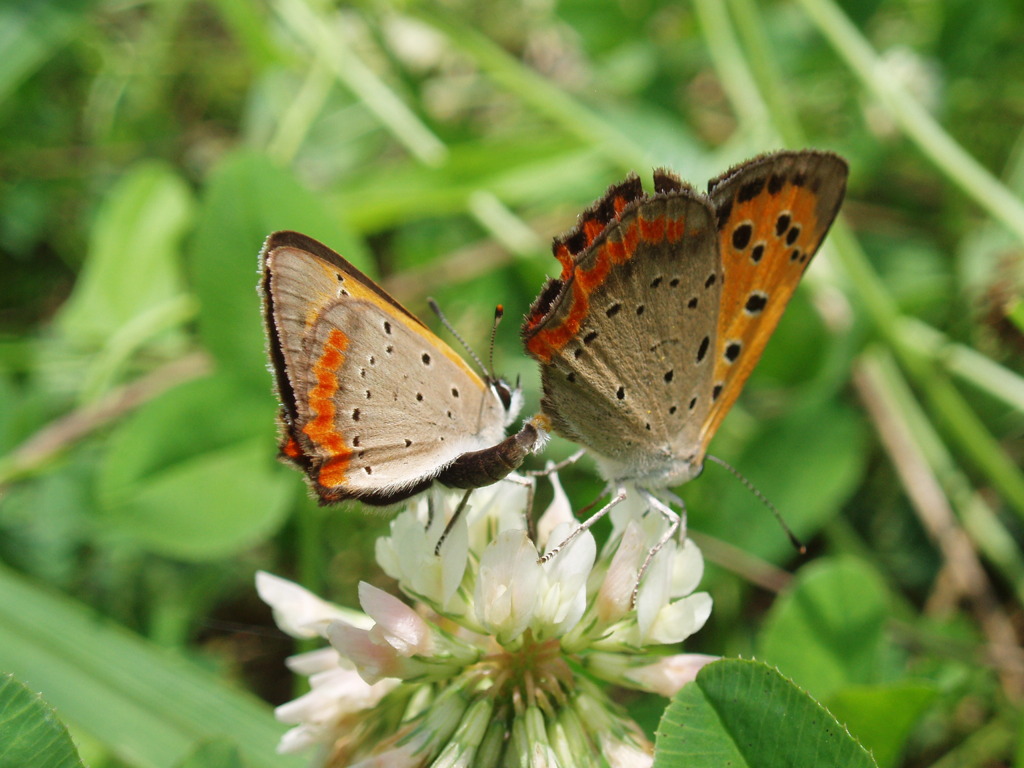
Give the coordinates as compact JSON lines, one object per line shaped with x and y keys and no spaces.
{"x":658,"y":469}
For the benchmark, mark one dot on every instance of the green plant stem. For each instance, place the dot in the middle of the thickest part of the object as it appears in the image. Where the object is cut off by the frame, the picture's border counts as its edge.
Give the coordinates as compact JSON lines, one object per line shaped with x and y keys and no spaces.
{"x":320,"y":35}
{"x":977,"y":517}
{"x":39,"y":450}
{"x":333,"y":57}
{"x":537,"y":92}
{"x":765,"y":70}
{"x":129,"y":338}
{"x":735,"y":77}
{"x":988,"y":744}
{"x":915,"y":121}
{"x":922,"y":366}
{"x":965,"y":427}
{"x":965,"y":363}
{"x":503,"y":225}
{"x":312,"y":565}
{"x":302,"y":111}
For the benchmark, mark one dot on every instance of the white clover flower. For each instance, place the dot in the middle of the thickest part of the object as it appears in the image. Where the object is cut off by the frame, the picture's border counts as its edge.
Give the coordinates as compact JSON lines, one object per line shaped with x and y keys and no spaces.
{"x":498,"y":662}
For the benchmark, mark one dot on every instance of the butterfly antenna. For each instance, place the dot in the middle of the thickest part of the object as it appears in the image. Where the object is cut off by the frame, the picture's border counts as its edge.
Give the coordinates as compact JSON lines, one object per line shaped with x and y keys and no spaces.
{"x":797,"y":544}
{"x":499,"y":312}
{"x":451,"y":329}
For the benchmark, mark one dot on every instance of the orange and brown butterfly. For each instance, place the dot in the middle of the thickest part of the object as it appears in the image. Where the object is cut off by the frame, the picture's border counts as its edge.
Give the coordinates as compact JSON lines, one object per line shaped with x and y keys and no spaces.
{"x":374,"y":406}
{"x":665,"y":303}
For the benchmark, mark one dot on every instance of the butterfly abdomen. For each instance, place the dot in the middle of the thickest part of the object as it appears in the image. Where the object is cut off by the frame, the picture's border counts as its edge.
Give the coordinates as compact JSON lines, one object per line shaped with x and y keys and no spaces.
{"x":479,"y":468}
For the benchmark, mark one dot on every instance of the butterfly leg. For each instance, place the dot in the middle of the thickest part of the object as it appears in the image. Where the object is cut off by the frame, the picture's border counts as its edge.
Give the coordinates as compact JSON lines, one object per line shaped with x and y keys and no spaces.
{"x":620,"y":496}
{"x":531,"y":487}
{"x":675,"y":522}
{"x":451,"y":523}
{"x":673,"y":499}
{"x":432,"y":501}
{"x":558,"y":467}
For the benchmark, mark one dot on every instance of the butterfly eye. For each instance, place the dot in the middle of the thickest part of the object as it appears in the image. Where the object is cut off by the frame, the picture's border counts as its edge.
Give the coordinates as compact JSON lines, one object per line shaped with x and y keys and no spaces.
{"x":503,"y":391}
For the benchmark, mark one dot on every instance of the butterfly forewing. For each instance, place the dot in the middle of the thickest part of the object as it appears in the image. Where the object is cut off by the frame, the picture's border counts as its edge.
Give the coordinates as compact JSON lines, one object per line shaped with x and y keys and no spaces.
{"x":772,"y":214}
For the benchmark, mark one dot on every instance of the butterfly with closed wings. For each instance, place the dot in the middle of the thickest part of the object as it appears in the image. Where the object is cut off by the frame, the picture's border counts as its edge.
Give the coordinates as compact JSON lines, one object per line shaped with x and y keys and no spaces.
{"x":374,"y":406}
{"x":664,"y":305}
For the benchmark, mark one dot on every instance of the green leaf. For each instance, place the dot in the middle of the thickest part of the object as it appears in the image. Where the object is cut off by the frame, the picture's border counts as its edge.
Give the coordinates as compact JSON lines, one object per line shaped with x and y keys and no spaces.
{"x":211,"y":507}
{"x":192,"y":475}
{"x":215,"y":754}
{"x":744,"y":714}
{"x":133,"y":266}
{"x":1016,"y":313}
{"x":883,"y":716}
{"x":797,"y":350}
{"x":826,"y":631}
{"x":30,"y":732}
{"x":246,"y":199}
{"x":10,"y":400}
{"x":30,"y":33}
{"x":520,"y":170}
{"x":151,"y":707}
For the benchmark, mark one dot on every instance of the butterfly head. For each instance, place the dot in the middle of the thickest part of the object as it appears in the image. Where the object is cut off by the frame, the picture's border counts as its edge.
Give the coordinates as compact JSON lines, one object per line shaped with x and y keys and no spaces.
{"x":511,"y":398}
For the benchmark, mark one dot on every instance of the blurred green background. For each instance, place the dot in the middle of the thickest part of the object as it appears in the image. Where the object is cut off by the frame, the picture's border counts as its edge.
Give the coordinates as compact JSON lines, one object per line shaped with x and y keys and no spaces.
{"x":147,"y":148}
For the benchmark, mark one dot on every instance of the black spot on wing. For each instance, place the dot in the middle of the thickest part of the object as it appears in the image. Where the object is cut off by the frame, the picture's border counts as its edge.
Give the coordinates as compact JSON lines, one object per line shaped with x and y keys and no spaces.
{"x":723,"y":213}
{"x":750,"y":190}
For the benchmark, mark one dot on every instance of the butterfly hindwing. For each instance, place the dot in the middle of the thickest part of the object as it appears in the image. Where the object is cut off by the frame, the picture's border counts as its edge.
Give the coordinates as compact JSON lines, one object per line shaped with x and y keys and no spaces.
{"x":374,"y":405}
{"x":388,"y":408}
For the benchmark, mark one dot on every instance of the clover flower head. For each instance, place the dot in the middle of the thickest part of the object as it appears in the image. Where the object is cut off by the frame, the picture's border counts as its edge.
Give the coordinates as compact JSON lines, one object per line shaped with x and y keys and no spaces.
{"x":500,"y":657}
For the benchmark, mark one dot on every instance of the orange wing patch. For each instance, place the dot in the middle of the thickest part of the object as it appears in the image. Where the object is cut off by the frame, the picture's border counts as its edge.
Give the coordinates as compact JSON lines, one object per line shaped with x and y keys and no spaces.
{"x":584,"y":269}
{"x":770,"y":227}
{"x":322,"y":429}
{"x":618,"y":247}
